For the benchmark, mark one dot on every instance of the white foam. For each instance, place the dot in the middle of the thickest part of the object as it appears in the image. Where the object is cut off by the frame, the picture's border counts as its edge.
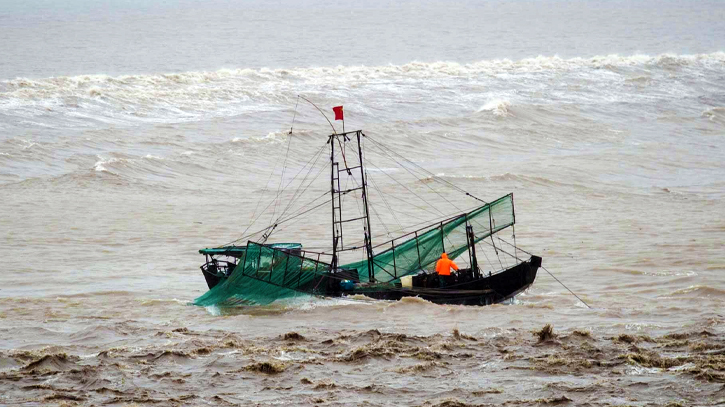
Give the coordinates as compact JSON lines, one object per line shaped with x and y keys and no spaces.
{"x":90,"y":100}
{"x":271,"y":138}
{"x":714,"y":114}
{"x":498,"y":107}
{"x":102,"y":162}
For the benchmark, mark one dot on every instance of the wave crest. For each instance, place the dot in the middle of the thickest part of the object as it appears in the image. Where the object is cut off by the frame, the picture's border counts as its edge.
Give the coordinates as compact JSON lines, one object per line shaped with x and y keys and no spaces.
{"x":193,"y":96}
{"x":498,"y":108}
{"x":438,"y":68}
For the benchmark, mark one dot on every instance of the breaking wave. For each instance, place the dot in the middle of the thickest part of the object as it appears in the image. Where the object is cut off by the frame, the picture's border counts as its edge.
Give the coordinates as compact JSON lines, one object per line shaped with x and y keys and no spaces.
{"x":499,"y":108}
{"x":192,"y":96}
{"x":715,"y":114}
{"x":100,"y":85}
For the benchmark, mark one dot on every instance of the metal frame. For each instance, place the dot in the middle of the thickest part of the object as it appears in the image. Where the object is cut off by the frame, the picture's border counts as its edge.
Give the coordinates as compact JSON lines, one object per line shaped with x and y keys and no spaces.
{"x":336,"y":194}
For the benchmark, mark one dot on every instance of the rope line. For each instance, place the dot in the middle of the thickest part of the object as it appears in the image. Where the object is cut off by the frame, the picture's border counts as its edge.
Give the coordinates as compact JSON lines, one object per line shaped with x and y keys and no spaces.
{"x":562,"y":284}
{"x":407,"y":189}
{"x":255,"y":219}
{"x":433,"y":176}
{"x":416,"y":177}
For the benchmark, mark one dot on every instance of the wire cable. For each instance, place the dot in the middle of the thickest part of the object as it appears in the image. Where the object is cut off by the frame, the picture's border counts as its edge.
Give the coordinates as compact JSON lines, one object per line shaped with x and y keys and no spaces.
{"x":567,"y":288}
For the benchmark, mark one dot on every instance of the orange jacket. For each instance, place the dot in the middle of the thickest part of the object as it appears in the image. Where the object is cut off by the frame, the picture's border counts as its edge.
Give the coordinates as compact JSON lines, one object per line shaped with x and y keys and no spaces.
{"x":443,"y":266}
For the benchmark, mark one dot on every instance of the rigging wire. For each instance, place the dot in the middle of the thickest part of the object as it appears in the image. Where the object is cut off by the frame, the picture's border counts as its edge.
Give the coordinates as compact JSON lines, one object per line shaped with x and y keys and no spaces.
{"x":387,"y":231}
{"x":385,"y":201}
{"x":296,"y":218}
{"x":499,"y":242}
{"x":261,"y":196}
{"x":294,"y":116}
{"x":297,"y":193}
{"x":567,"y":288}
{"x":430,"y":222}
{"x":309,"y":203}
{"x":296,"y":196}
{"x":406,"y":188}
{"x":272,"y":225}
{"x":286,"y":156}
{"x":289,"y":219}
{"x":416,"y":176}
{"x":254,"y":220}
{"x":545,"y":269}
{"x":321,"y":112}
{"x":487,"y":259}
{"x":433,"y":176}
{"x":410,"y":204}
{"x":428,"y":186}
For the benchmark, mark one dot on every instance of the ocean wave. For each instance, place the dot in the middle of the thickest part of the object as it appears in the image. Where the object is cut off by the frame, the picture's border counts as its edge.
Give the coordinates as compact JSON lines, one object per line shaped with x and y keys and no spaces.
{"x":698,"y":291}
{"x":196,"y":84}
{"x":97,"y":85}
{"x":149,"y":165}
{"x":88,"y":100}
{"x":271,"y":137}
{"x":499,"y":108}
{"x":715,"y":114}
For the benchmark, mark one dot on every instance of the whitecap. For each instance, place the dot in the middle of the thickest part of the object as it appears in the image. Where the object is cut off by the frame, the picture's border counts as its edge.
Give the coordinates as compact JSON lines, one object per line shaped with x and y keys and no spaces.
{"x":498,"y":107}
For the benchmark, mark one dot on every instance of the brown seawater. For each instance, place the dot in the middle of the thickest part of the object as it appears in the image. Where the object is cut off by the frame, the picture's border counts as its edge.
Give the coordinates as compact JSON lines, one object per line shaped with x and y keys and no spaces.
{"x":118,"y":163}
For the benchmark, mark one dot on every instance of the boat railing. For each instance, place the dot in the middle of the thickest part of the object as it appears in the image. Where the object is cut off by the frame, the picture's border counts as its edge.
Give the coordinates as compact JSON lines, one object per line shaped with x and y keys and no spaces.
{"x":218,"y":268}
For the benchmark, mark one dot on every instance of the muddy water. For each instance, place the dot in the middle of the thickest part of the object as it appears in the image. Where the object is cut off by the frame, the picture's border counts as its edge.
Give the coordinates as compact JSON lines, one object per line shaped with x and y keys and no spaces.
{"x":150,"y":131}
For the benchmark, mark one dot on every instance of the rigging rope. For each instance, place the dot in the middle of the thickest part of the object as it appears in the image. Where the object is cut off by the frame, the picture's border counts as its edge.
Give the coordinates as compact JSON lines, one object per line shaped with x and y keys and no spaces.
{"x":261,"y":196}
{"x":297,"y":193}
{"x":385,"y":201}
{"x":416,"y":176}
{"x":431,"y":222}
{"x":284,"y":168}
{"x":273,"y":224}
{"x":285,"y":220}
{"x":562,"y":284}
{"x":406,"y":188}
{"x":295,"y":196}
{"x":254,"y":220}
{"x":545,"y":269}
{"x":433,"y":176}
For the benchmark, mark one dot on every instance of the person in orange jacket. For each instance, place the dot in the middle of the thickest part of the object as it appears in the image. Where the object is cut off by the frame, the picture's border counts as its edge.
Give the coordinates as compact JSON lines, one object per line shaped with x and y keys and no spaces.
{"x":443,"y":268}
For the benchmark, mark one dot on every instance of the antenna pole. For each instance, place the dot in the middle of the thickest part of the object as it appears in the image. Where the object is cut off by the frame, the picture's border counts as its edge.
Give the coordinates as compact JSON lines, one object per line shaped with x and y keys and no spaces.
{"x":368,"y":233}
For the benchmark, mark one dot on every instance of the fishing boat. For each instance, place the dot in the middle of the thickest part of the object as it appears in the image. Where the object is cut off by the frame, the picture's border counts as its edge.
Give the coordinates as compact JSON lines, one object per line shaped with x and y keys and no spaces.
{"x":259,"y":272}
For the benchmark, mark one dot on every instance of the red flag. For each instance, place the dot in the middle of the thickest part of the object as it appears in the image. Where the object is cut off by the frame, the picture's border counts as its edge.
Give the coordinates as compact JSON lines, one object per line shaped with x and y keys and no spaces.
{"x":338,"y":113}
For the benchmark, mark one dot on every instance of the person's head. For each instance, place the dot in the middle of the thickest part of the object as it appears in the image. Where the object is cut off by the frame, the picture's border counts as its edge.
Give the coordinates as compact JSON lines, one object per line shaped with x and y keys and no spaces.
{"x":444,"y":256}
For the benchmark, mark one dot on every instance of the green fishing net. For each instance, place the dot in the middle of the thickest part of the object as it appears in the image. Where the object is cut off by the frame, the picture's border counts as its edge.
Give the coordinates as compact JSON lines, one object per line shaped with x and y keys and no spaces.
{"x":266,"y":273}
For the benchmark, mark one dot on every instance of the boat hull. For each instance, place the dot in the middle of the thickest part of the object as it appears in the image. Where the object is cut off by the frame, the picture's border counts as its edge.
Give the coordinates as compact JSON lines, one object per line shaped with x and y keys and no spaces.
{"x":465,"y":288}
{"x":486,"y":290}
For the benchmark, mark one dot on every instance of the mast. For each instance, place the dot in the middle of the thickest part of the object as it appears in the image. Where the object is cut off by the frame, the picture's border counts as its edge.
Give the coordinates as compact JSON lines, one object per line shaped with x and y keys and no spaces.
{"x":336,"y":193}
{"x":368,"y":234}
{"x":333,"y":164}
{"x":472,"y":249}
